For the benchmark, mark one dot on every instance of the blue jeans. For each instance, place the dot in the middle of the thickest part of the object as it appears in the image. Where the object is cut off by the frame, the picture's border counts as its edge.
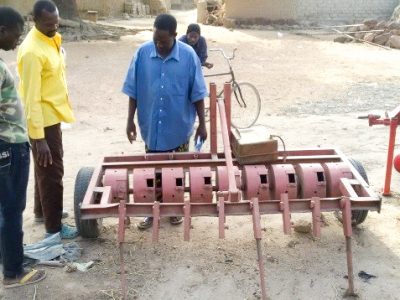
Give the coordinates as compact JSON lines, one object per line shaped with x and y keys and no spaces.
{"x":14,"y":174}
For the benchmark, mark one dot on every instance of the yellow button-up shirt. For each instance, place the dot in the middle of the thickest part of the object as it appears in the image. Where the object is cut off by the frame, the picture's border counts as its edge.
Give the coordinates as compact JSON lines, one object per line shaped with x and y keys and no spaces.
{"x":43,"y":86}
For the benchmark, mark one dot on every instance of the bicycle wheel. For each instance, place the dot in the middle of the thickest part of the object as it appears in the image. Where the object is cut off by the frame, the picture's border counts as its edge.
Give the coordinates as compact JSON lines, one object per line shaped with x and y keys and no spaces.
{"x":245,"y":105}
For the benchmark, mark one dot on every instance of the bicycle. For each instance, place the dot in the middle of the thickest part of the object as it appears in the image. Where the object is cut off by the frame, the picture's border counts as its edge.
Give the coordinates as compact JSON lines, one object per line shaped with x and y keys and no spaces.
{"x":246,"y":109}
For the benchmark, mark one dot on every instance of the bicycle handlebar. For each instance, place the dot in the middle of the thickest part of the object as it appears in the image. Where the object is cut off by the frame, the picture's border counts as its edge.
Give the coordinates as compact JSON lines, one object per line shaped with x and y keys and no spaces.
{"x":224,"y":54}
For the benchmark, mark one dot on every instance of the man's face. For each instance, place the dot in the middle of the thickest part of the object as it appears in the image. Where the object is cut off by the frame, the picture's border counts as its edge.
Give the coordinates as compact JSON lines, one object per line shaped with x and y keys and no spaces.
{"x":164,"y":41}
{"x":193,"y":38}
{"x":47,"y":22}
{"x":9,"y":37}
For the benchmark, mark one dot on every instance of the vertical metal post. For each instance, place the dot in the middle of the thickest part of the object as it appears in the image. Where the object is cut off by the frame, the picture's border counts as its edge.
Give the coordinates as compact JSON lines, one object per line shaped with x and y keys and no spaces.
{"x":228,"y":105}
{"x":347,"y":230}
{"x":257,"y":235}
{"x":121,"y":239}
{"x":389,"y":162}
{"x":156,"y":221}
{"x":213,"y":119}
{"x":221,"y":217}
{"x":186,"y":221}
{"x":233,"y":191}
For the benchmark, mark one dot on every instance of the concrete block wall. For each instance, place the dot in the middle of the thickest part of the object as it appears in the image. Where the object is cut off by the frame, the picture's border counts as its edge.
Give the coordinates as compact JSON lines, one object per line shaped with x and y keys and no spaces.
{"x":319,"y":11}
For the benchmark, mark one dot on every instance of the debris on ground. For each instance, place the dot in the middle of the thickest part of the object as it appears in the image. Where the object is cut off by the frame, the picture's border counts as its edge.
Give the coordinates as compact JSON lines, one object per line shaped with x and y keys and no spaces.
{"x":212,"y":12}
{"x":302,"y":226}
{"x":292,"y":244}
{"x":82,"y":30}
{"x":365,"y":276}
{"x":373,"y":32}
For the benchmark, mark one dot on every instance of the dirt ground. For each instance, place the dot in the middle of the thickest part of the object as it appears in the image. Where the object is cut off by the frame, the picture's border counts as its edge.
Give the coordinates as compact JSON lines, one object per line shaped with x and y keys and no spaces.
{"x":312,"y":92}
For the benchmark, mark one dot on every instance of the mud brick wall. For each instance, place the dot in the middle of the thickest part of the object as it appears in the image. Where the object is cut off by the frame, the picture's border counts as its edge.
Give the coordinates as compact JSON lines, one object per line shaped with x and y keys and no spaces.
{"x":318,"y":11}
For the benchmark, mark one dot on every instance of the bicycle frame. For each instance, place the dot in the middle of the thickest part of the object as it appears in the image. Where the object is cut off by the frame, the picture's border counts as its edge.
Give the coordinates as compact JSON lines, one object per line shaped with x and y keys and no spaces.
{"x":235,"y":85}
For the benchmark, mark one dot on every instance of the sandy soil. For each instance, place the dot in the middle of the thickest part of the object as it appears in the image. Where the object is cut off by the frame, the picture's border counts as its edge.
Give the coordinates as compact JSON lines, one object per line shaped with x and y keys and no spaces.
{"x":312,"y":92}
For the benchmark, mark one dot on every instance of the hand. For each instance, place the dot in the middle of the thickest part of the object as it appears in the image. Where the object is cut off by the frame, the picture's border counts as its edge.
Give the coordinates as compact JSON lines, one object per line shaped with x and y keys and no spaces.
{"x":131,"y":131}
{"x":208,"y":65}
{"x":201,"y":132}
{"x":44,"y":157}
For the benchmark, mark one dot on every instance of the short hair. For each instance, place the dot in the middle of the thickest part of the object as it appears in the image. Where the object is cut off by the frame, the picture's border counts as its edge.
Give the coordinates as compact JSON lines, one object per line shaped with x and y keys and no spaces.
{"x":193,"y":28}
{"x":10,"y":18}
{"x":166,"y":22}
{"x":41,"y":5}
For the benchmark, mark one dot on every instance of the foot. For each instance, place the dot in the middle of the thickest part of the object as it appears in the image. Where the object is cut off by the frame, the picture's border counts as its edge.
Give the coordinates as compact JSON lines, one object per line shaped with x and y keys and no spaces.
{"x":67,"y":232}
{"x":175,"y":220}
{"x":145,"y":224}
{"x":27,"y":277}
{"x":40,"y":219}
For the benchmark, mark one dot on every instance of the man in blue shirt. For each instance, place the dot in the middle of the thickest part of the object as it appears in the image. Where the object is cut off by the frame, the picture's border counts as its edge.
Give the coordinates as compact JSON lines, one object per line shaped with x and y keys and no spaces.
{"x":166,"y":87}
{"x":193,"y":38}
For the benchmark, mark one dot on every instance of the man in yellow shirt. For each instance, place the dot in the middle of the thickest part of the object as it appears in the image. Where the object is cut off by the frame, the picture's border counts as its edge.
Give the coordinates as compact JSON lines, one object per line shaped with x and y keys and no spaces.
{"x":43,"y":87}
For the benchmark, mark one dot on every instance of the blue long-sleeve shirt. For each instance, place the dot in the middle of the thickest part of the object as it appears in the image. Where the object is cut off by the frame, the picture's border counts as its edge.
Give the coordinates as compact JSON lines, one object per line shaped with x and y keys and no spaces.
{"x":200,"y":48}
{"x":165,"y":91}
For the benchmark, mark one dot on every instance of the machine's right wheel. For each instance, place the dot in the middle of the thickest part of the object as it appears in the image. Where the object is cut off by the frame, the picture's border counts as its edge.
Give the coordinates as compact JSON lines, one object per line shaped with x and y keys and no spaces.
{"x":357,"y":216}
{"x":86,"y":228}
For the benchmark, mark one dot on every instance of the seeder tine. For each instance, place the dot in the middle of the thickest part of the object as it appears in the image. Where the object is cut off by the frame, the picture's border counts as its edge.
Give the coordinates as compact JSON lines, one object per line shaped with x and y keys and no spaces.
{"x":121,"y":239}
{"x":221,"y":217}
{"x":347,"y":230}
{"x":156,"y":221}
{"x":186,"y":221}
{"x":284,"y":206}
{"x":121,"y":221}
{"x":255,"y":209}
{"x":316,"y":216}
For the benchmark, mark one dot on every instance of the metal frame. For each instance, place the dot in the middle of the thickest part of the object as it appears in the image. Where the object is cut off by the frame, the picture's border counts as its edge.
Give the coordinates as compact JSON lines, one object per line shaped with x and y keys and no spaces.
{"x":392,"y":119}
{"x":355,"y":192}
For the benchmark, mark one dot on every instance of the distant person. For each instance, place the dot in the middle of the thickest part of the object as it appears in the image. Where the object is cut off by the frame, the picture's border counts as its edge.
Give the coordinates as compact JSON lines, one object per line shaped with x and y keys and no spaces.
{"x":193,"y":38}
{"x":14,"y":162}
{"x":43,"y":88}
{"x":165,"y":84}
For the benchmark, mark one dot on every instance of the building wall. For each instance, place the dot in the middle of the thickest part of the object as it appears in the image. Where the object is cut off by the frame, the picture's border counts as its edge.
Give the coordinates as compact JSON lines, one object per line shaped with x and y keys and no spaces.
{"x":320,"y":11}
{"x":24,"y":7}
{"x":103,"y":7}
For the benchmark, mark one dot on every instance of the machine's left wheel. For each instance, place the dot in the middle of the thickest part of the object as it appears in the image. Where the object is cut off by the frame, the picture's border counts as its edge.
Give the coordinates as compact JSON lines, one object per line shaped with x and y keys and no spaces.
{"x":86,"y":228}
{"x":359,"y":216}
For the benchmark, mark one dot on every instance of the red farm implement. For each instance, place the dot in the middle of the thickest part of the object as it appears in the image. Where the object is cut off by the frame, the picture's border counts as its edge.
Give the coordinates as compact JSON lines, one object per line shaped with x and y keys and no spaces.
{"x":217,"y":185}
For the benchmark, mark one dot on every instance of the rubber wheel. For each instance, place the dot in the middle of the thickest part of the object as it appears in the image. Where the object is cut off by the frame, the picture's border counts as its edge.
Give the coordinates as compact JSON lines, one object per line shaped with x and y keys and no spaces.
{"x":245,"y":116}
{"x":86,"y":228}
{"x":357,"y":216}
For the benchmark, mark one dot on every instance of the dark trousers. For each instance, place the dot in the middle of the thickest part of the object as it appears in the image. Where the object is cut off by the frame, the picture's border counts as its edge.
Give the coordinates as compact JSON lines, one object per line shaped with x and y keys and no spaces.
{"x":49,"y":187}
{"x":14,"y":174}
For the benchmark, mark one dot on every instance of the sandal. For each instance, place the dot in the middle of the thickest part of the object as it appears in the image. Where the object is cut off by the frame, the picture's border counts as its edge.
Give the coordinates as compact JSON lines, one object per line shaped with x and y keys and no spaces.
{"x":175,"y":220}
{"x":145,"y":224}
{"x":68,"y":232}
{"x":27,"y":277}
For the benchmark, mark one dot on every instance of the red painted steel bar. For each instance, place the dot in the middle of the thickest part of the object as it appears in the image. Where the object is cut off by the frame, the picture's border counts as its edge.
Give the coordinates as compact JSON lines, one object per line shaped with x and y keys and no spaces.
{"x":221,"y":217}
{"x":389,"y":163}
{"x":316,"y":216}
{"x":257,"y":235}
{"x":121,"y":239}
{"x":347,"y":230}
{"x":392,"y":120}
{"x":156,"y":221}
{"x":233,"y":191}
{"x":228,"y":106}
{"x":186,"y":221}
{"x":213,"y":119}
